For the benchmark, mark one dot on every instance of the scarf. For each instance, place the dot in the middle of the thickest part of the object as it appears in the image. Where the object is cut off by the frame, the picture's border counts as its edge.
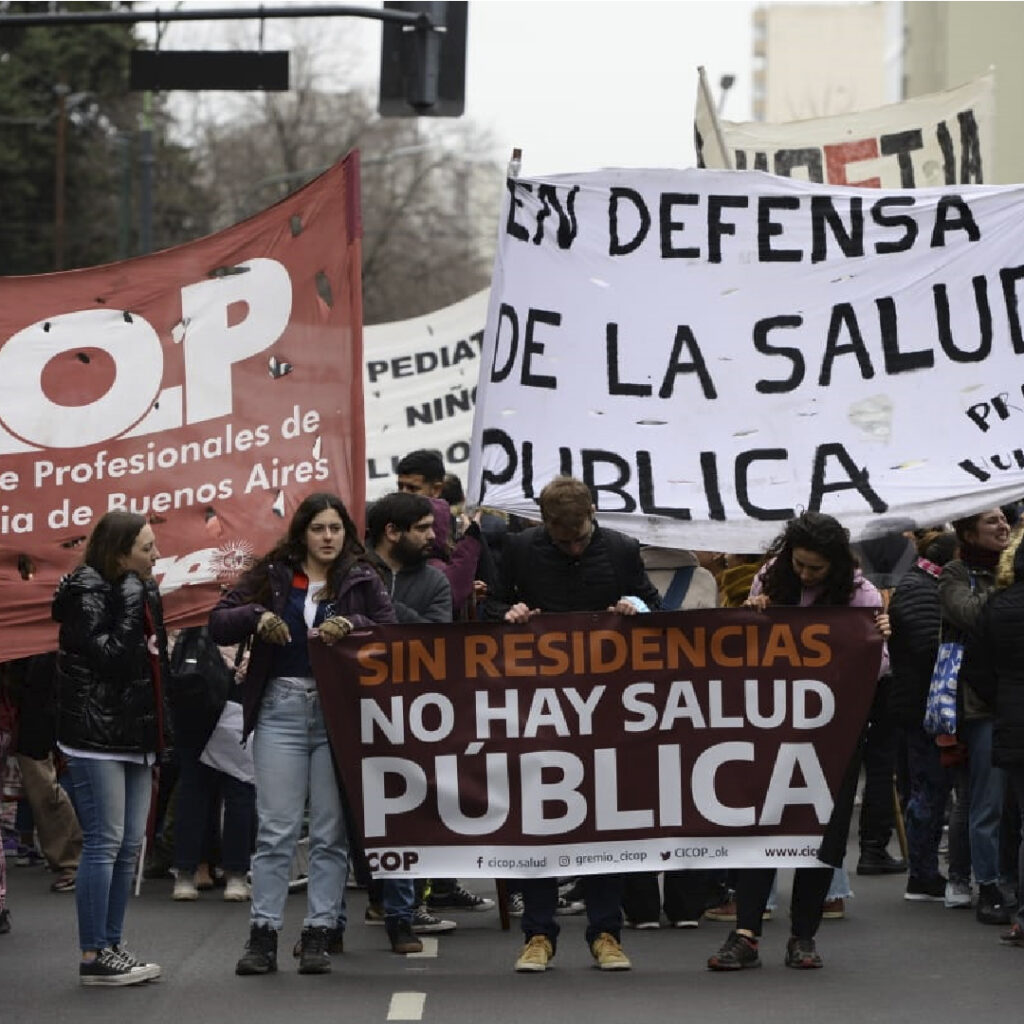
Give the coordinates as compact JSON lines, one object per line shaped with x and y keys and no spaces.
{"x":979,"y":558}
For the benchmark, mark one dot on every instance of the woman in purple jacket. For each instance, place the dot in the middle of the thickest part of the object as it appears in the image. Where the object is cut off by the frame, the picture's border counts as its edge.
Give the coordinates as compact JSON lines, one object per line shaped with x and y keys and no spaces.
{"x":315,"y":582}
{"x":809,"y":563}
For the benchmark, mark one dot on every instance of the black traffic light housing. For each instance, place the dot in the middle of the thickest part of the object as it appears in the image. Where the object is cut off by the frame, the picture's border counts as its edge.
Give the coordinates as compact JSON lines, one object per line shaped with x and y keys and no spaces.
{"x":423,"y":65}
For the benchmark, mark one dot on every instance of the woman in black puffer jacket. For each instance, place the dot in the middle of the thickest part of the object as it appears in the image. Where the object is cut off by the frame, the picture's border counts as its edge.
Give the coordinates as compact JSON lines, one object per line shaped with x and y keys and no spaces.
{"x":997,"y":665}
{"x":110,"y":726}
{"x":915,"y":618}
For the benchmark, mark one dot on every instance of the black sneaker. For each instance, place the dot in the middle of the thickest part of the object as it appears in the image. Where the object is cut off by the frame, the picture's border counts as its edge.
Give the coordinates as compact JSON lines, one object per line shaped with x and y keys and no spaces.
{"x":260,"y":956}
{"x":926,"y":889}
{"x":802,"y":954}
{"x":402,"y":938}
{"x":739,"y":951}
{"x":313,"y":955}
{"x":424,"y":923}
{"x":109,"y":969}
{"x":876,"y":860}
{"x":335,"y":943}
{"x":993,"y":907}
{"x":151,"y":970}
{"x":458,"y":899}
{"x":5,"y":922}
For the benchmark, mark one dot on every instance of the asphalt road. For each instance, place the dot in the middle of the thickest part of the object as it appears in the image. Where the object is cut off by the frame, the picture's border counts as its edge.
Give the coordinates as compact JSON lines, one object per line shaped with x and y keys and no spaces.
{"x":889,"y":960}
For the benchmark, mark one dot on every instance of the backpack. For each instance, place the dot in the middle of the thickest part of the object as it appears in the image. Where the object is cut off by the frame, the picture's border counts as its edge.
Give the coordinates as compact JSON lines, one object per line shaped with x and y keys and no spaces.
{"x":199,"y":685}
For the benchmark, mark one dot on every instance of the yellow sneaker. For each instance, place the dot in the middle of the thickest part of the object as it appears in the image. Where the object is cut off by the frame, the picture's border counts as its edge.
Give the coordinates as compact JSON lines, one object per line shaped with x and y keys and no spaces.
{"x":536,"y":954}
{"x":608,"y":955}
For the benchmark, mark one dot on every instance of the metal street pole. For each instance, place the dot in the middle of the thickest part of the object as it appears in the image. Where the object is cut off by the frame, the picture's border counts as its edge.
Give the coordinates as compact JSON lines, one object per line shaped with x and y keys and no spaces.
{"x":146,"y":175}
{"x":60,"y":157}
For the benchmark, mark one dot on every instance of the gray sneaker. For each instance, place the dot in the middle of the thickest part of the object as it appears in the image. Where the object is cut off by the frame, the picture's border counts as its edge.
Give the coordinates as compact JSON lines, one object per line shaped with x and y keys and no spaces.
{"x":958,"y":895}
{"x":424,"y":923}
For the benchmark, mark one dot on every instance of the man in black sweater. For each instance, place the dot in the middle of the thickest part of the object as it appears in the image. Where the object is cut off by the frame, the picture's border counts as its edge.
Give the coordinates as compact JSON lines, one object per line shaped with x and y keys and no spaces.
{"x":570,"y":564}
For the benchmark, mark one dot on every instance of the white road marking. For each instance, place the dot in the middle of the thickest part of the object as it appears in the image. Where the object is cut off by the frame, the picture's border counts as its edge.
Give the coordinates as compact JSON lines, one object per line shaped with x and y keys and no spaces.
{"x":407,"y":1006}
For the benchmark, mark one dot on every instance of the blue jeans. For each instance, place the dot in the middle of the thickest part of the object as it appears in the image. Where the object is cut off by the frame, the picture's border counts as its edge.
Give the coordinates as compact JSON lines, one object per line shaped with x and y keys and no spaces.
{"x":930,"y":783}
{"x":601,"y":893}
{"x":292,"y":759}
{"x":839,"y":889}
{"x":112,"y":799}
{"x":987,"y":785}
{"x":398,"y":899}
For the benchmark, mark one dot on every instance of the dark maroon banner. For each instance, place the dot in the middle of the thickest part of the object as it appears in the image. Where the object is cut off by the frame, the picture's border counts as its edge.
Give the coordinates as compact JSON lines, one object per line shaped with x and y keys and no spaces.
{"x":599,"y":742}
{"x":210,"y":387}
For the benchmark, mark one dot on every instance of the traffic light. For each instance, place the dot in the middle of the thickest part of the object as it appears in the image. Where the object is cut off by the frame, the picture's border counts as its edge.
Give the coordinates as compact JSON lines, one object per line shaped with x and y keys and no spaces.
{"x":423,"y":67}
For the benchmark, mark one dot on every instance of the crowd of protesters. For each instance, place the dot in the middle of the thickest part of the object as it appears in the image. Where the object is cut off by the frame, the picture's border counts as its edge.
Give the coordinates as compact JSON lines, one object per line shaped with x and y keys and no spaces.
{"x":81,"y":729}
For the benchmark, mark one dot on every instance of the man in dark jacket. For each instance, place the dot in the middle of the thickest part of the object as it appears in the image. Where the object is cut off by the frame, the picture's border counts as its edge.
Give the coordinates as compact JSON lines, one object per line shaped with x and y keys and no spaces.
{"x":915,"y":618}
{"x":421,"y":472}
{"x":56,"y":822}
{"x":996,"y":663}
{"x":884,"y":561}
{"x":570,"y":564}
{"x":400,"y":531}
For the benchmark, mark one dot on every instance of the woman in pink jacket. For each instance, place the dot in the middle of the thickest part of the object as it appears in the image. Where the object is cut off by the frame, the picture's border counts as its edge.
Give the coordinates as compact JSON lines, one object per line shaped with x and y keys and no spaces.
{"x":809,"y":563}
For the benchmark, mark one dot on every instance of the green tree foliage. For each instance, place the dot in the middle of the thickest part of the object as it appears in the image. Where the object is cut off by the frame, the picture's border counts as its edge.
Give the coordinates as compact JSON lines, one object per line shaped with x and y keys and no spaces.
{"x":101,"y":151}
{"x":430,"y":195}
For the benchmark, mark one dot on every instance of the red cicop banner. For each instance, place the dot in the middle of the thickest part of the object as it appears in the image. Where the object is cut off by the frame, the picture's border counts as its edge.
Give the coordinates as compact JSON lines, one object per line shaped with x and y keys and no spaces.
{"x":209,"y":387}
{"x":582,"y":744}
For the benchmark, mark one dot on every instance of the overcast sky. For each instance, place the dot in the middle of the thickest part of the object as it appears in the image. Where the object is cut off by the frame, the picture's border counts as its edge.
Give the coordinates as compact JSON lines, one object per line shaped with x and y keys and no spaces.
{"x":576,"y":84}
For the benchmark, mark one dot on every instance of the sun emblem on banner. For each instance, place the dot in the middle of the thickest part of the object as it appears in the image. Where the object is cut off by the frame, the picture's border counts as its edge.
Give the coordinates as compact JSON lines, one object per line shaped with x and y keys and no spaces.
{"x":232,"y":559}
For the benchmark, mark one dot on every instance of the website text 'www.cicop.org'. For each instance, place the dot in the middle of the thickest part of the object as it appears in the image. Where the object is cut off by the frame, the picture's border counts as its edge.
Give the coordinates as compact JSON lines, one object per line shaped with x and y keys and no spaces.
{"x":791,"y":851}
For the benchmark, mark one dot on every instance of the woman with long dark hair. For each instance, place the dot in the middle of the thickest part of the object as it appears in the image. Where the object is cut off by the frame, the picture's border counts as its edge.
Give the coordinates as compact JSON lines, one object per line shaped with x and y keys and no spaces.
{"x":315,"y":581}
{"x":111,"y":661}
{"x":809,"y":563}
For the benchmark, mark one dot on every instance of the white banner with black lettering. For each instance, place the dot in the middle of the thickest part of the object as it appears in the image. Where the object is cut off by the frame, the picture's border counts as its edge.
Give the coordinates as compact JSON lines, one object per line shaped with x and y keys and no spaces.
{"x":419,"y":387}
{"x":944,"y":138}
{"x":713,"y":351}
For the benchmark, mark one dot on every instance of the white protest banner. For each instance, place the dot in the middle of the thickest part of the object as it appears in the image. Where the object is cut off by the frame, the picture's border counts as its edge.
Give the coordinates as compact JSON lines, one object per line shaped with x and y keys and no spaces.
{"x":714,"y":350}
{"x":419,"y":388}
{"x":944,"y":138}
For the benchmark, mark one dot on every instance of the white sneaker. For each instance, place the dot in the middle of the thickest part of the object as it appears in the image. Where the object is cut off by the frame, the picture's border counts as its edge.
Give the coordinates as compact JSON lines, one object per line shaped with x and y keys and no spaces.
{"x":185,"y":888}
{"x":958,"y":894}
{"x":236,"y":889}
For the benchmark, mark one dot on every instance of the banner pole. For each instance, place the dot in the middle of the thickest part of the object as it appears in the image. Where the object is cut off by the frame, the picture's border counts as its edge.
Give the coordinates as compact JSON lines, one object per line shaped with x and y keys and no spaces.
{"x":515,"y":164}
{"x":713,"y":113}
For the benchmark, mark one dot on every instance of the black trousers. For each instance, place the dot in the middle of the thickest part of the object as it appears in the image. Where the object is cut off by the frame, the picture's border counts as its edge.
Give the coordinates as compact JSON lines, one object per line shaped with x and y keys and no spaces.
{"x":687,"y":895}
{"x":877,"y":815}
{"x":810,"y":885}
